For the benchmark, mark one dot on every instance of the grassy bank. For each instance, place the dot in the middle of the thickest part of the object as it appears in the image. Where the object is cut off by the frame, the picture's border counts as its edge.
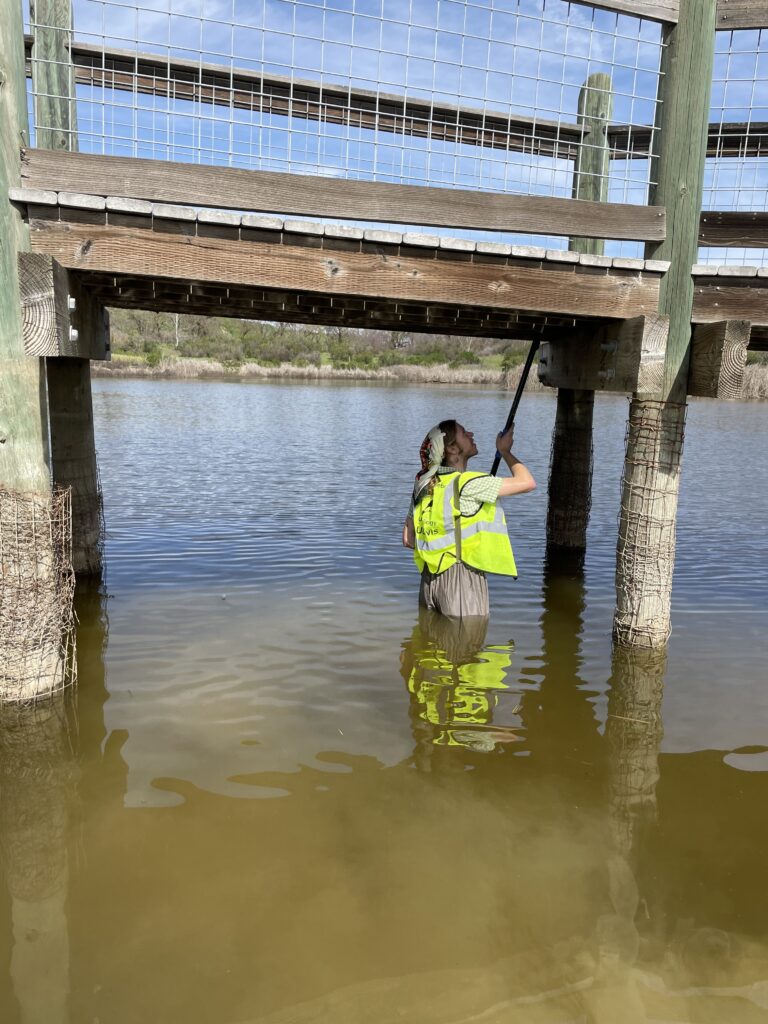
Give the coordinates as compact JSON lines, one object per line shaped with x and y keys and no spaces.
{"x":180,"y":368}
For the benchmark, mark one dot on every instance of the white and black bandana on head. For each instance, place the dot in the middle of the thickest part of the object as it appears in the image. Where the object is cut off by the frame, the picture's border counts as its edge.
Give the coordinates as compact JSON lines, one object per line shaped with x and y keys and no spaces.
{"x":432,"y":453}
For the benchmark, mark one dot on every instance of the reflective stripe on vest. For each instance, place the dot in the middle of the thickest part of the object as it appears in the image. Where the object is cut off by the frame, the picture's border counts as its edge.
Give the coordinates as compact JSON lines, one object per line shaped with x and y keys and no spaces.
{"x":484,"y":538}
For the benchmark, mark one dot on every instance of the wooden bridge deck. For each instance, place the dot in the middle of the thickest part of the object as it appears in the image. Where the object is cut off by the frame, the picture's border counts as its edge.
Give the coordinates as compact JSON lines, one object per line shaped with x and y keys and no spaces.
{"x":172,"y":258}
{"x":181,"y":259}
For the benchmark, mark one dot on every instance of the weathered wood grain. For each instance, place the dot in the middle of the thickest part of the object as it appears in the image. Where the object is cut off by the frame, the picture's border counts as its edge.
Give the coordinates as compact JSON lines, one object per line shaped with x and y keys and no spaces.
{"x":570,"y":469}
{"x":730,"y":299}
{"x":23,"y":409}
{"x":272,"y":192}
{"x":656,"y":10}
{"x":625,"y":357}
{"x":718,"y":358}
{"x":590,"y":172}
{"x":738,"y":14}
{"x":677,"y":169}
{"x":214,"y":299}
{"x":734,"y":229}
{"x":53,"y":79}
{"x":154,"y":254}
{"x":44,"y":293}
{"x":51,"y":329}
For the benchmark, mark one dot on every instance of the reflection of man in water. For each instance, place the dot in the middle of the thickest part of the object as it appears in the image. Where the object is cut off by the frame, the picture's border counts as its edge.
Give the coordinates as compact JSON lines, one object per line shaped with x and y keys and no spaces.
{"x":455,"y":681}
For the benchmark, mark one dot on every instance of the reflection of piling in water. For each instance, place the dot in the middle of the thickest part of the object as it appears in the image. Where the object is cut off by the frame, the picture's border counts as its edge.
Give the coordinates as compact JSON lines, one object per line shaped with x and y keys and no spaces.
{"x":559,"y":717}
{"x":92,"y":635}
{"x":36,"y":585}
{"x":633,"y":733}
{"x":37,"y":782}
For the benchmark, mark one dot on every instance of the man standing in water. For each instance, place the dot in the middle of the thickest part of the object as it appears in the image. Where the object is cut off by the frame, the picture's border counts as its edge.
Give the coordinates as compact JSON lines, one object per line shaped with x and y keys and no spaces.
{"x":454,"y":526}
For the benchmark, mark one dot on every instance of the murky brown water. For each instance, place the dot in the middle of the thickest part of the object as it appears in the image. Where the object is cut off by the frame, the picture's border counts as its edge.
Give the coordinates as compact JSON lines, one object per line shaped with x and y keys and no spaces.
{"x":281,"y":796}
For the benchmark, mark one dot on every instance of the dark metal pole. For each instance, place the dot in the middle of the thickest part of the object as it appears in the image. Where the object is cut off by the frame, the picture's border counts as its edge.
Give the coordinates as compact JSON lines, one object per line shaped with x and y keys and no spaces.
{"x":516,"y":400}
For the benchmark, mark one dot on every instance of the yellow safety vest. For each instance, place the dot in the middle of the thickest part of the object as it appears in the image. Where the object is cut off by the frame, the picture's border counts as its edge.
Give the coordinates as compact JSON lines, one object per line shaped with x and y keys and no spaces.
{"x":439,"y":524}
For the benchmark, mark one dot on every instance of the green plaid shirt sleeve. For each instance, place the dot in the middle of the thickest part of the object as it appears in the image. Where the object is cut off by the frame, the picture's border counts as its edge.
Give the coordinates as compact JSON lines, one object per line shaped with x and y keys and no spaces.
{"x":476,"y":492}
{"x":473,"y":494}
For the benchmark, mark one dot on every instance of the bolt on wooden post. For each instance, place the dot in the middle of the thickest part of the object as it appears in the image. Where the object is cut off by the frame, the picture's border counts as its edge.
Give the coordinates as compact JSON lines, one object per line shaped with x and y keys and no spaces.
{"x":651,"y":481}
{"x":570,"y":471}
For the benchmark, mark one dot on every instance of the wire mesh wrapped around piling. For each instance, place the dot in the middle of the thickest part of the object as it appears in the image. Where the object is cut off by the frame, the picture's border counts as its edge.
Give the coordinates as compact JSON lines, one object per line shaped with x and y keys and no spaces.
{"x":646,"y":545}
{"x":37,"y":637}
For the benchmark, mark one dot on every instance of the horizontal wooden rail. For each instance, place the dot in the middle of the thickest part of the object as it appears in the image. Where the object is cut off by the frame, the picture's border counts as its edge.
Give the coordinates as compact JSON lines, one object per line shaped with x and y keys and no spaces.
{"x":212,"y":84}
{"x":732,"y":293}
{"x":731,"y":14}
{"x":732,"y":229}
{"x":271,"y":192}
{"x":512,"y":285}
{"x":738,"y":14}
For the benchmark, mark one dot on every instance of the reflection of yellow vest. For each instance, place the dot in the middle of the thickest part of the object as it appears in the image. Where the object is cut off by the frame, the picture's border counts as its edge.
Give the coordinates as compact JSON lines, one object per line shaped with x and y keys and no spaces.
{"x":484,"y":538}
{"x":457,"y":694}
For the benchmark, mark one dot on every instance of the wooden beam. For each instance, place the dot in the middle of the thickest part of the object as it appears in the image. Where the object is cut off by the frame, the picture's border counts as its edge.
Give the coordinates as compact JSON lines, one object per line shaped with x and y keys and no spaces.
{"x":625,"y":357}
{"x":734,"y":229}
{"x":44,"y":293}
{"x":655,"y":10}
{"x":739,"y":14}
{"x":114,"y":250}
{"x":90,"y":319}
{"x":718,"y":358}
{"x":51,"y":328}
{"x":271,"y":192}
{"x":723,"y":298}
{"x":212,"y":299}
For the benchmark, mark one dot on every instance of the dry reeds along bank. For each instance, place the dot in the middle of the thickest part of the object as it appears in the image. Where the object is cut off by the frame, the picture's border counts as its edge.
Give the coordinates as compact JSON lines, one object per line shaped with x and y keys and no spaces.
{"x":755,"y":375}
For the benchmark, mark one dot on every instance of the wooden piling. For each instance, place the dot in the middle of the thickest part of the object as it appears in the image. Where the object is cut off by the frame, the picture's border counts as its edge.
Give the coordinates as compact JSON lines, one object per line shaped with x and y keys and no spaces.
{"x":570,"y":471}
{"x":35,"y":573}
{"x":73,"y":448}
{"x":646,"y":547}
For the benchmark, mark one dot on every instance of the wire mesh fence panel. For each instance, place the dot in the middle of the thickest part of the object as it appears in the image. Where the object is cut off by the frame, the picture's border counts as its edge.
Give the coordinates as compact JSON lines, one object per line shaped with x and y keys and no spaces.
{"x":736,"y":173}
{"x":458,"y":94}
{"x":476,"y":94}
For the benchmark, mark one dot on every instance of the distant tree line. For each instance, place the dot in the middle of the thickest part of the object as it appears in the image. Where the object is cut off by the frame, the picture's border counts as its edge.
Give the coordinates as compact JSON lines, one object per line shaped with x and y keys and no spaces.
{"x":151,"y":336}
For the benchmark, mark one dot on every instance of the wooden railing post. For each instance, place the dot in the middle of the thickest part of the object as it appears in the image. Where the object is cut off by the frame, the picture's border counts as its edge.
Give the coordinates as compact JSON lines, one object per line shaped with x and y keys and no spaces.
{"x":646,"y":547}
{"x":570,"y":471}
{"x":53,"y":75}
{"x":73,"y":448}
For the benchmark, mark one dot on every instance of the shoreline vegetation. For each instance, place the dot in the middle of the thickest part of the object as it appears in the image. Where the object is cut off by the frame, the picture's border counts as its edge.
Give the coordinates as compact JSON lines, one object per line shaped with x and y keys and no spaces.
{"x":169,"y":346}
